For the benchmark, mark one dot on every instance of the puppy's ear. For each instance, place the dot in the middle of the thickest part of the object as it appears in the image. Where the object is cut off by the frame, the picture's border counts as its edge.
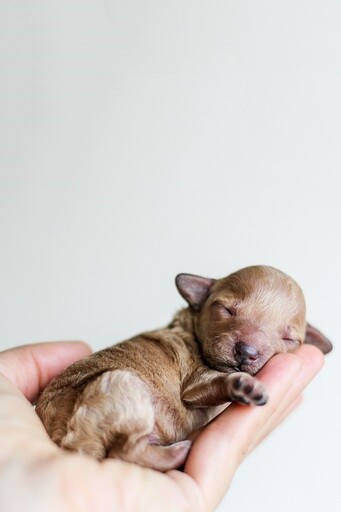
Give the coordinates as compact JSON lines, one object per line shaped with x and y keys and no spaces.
{"x":314,"y":337}
{"x":194,"y":289}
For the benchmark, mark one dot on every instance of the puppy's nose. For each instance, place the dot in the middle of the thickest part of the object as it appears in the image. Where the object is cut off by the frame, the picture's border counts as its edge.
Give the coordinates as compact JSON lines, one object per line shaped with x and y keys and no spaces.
{"x":245,"y":353}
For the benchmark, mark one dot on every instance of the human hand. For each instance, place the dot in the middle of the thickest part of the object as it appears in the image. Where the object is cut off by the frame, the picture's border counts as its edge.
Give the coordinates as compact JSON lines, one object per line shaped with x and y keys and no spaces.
{"x":36,"y":475}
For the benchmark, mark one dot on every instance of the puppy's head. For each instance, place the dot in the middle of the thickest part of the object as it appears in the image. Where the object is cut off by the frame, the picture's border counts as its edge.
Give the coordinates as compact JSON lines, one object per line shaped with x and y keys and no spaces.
{"x":244,"y":319}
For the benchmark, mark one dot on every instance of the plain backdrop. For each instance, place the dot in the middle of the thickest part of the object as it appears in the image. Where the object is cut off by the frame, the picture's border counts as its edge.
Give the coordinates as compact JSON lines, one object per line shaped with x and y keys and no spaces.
{"x":140,"y":139}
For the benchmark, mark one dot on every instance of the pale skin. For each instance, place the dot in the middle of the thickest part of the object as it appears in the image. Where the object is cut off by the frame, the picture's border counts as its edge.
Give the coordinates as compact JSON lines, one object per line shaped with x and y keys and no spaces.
{"x":36,"y":475}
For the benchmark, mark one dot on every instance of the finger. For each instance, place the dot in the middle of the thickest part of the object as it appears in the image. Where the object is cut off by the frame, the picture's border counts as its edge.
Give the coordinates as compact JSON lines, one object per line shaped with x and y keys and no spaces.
{"x":313,"y":360}
{"x":20,"y":427}
{"x":234,"y":424}
{"x":275,"y":422}
{"x":219,"y":449}
{"x":30,"y":368}
{"x":27,"y":370}
{"x":310,"y":361}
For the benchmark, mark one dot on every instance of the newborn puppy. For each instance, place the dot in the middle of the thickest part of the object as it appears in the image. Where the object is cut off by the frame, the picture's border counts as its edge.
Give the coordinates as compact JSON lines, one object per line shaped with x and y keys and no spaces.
{"x":141,"y":399}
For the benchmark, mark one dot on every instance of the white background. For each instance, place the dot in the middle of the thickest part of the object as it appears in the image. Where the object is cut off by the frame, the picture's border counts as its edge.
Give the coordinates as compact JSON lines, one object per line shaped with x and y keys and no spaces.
{"x":140,"y":139}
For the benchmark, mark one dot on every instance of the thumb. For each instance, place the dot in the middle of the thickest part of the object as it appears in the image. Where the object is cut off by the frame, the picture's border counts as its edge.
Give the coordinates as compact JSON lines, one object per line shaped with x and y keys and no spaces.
{"x":29,"y":368}
{"x":20,"y":427}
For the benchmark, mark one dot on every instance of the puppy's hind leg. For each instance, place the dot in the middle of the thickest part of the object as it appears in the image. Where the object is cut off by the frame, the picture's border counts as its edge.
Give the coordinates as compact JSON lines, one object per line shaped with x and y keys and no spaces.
{"x":113,"y":417}
{"x":160,"y":457}
{"x":113,"y":411}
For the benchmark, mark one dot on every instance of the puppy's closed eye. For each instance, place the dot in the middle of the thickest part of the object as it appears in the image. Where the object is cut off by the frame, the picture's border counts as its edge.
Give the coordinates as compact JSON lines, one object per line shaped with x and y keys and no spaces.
{"x":224,"y":310}
{"x":291,"y":338}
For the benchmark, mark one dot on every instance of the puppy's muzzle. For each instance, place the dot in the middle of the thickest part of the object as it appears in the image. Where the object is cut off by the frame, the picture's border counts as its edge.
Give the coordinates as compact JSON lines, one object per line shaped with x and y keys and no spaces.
{"x":244,"y":353}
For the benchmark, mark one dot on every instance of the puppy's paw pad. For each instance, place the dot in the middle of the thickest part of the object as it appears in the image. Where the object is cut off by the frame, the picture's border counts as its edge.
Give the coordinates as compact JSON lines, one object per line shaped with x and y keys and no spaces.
{"x":248,"y":390}
{"x":236,"y":381}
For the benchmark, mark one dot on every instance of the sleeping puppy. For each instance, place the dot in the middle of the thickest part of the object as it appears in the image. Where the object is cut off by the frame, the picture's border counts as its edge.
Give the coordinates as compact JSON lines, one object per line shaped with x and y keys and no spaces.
{"x":141,"y":399}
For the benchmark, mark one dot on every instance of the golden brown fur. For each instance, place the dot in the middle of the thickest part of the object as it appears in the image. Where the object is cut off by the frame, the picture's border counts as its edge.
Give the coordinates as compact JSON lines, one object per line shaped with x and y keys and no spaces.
{"x":141,"y":399}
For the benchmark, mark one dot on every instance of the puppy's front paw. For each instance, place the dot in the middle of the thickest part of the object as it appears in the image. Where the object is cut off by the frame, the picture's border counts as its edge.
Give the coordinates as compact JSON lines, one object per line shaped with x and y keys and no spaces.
{"x":246,"y":389}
